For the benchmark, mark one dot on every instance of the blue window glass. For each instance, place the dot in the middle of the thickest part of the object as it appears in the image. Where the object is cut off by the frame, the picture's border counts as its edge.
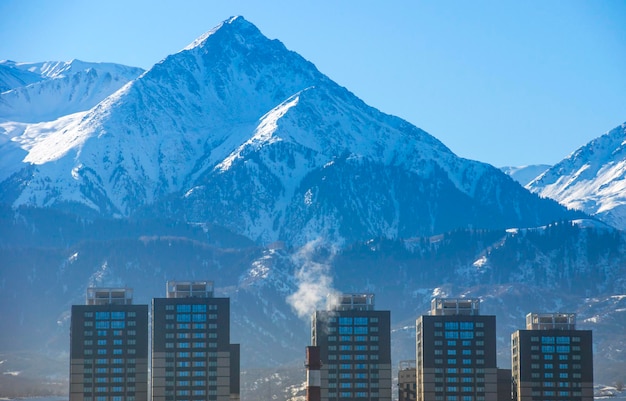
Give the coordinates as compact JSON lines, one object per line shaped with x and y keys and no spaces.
{"x":562,"y":349}
{"x":199,"y":317}
{"x":345,"y":329}
{"x":451,"y":325}
{"x":102,"y":342}
{"x":452,"y":334}
{"x":547,"y":349}
{"x":345,"y":321}
{"x":102,"y":315}
{"x":547,"y":340}
{"x":361,"y":321}
{"x":467,"y":325}
{"x":103,"y":324}
{"x":345,"y":366}
{"x":451,"y":343}
{"x":198,"y":308}
{"x":118,"y":315}
{"x":562,"y":340}
{"x":183,"y":308}
{"x":360,"y":330}
{"x":183,"y":317}
{"x":118,"y":324}
{"x":467,"y":334}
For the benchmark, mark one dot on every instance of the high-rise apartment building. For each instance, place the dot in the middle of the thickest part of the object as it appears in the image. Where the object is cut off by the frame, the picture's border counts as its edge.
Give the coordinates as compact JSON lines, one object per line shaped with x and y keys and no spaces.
{"x":552,"y":360}
{"x":456,"y":352}
{"x":192,"y":357}
{"x":406,"y":381}
{"x":109,"y":347}
{"x":355,"y":350}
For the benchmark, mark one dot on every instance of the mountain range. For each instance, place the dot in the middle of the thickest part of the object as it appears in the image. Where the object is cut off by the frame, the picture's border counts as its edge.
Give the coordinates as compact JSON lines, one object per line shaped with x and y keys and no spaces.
{"x":238,"y":131}
{"x":236,"y":160}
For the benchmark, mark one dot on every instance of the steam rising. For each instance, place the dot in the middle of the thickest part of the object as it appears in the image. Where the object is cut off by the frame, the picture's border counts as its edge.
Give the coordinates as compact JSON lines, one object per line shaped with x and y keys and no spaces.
{"x":315,"y":290}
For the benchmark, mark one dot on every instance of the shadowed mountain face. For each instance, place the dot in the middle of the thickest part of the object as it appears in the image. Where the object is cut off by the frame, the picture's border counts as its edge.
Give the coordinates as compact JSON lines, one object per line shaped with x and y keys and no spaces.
{"x":238,"y":131}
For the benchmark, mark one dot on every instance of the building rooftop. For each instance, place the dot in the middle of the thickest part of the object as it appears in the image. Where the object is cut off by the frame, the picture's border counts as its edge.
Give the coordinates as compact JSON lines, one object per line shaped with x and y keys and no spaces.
{"x":189,"y":289}
{"x":355,"y":302}
{"x":455,"y":306}
{"x":551,"y":321}
{"x":109,"y":296}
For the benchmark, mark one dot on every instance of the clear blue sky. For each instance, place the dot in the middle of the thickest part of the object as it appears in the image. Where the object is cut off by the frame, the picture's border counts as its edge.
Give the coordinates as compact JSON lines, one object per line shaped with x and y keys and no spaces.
{"x":504,"y":82}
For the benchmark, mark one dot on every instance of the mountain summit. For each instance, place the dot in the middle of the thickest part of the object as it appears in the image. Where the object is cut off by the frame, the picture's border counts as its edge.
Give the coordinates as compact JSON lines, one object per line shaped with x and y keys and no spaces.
{"x":591,"y":179}
{"x":238,"y":131}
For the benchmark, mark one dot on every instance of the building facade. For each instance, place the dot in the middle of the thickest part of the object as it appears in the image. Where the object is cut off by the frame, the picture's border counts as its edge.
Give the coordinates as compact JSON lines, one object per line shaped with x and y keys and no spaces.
{"x":552,"y":360}
{"x":109,"y":347}
{"x":354,"y":341}
{"x":456,"y":352}
{"x":192,"y":357}
{"x":406,"y":381}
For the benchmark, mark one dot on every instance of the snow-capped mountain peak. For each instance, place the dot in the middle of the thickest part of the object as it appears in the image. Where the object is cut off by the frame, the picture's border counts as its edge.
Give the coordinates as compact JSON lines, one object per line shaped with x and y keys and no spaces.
{"x":237,"y":130}
{"x":591,"y":179}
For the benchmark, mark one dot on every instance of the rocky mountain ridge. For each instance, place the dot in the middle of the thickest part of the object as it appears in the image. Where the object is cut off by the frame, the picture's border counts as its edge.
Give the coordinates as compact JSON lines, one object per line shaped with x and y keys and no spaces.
{"x":236,"y":130}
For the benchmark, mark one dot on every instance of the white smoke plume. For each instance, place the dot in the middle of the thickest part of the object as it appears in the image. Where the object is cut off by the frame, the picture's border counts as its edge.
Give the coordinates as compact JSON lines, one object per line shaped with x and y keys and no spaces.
{"x":315,"y":290}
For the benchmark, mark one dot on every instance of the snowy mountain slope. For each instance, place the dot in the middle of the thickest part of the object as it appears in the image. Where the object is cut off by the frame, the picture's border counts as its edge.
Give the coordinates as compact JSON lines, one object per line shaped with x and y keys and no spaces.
{"x":64,"y":88}
{"x":238,"y":131}
{"x":525,"y":174}
{"x":355,"y":173}
{"x":591,"y":179}
{"x":12,"y":77}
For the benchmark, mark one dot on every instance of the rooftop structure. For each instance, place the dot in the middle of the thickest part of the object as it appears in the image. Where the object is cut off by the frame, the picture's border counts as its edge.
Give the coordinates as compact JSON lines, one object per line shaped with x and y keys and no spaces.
{"x":189,"y":289}
{"x":455,"y":306}
{"x":355,"y":302}
{"x":109,"y":296}
{"x":551,"y":321}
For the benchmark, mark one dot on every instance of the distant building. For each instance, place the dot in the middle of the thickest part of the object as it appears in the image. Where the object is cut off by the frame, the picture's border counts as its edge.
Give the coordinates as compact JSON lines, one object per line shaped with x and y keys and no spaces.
{"x":505,"y":385}
{"x":354,"y":341}
{"x":456,"y":352}
{"x":406,"y":381}
{"x":313,"y":366}
{"x":109,"y":347}
{"x":192,"y":357}
{"x":552,"y":360}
